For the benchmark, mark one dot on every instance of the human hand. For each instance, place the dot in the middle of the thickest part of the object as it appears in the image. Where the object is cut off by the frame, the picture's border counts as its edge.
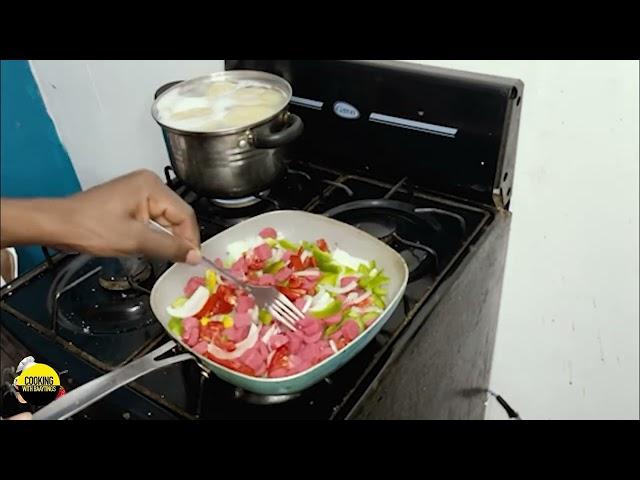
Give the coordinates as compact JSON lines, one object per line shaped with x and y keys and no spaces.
{"x":111,"y":219}
{"x":21,"y":416}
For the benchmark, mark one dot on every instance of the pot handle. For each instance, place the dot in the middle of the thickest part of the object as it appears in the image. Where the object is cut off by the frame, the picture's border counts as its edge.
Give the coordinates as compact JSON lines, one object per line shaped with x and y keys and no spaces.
{"x":164,"y":88}
{"x":289,"y":133}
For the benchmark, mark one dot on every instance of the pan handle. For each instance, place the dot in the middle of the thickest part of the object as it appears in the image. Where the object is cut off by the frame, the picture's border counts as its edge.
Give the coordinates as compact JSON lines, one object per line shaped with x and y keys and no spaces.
{"x":80,"y":398}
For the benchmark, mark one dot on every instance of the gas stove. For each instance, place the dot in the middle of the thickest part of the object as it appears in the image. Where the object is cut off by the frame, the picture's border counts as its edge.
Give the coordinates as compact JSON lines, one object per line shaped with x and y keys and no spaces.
{"x":84,"y":315}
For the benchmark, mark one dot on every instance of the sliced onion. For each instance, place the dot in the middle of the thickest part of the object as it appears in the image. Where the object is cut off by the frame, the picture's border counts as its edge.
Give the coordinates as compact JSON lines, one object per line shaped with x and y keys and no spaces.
{"x":321,"y":300}
{"x":268,"y":334}
{"x":270,"y":356}
{"x":192,"y":306}
{"x":371,"y":309}
{"x":342,"y":290}
{"x":241,"y":347}
{"x":343,"y":258}
{"x":305,"y":254}
{"x":307,"y":304}
{"x":308,"y":273}
{"x":277,"y":253}
{"x":332,"y":344}
{"x":359,"y":299}
{"x":235,"y":250}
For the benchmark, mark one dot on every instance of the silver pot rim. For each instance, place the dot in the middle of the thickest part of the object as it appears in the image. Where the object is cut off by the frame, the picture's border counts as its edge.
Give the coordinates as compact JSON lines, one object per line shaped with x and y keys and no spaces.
{"x":274,"y":81}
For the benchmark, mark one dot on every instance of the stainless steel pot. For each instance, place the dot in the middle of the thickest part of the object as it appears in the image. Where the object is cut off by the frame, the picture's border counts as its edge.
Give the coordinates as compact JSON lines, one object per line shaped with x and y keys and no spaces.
{"x":231,"y":163}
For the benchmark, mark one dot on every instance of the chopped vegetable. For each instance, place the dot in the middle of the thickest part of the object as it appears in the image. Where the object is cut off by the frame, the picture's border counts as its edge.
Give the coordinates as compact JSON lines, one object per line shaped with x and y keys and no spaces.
{"x":322,"y":245}
{"x":192,"y":306}
{"x":175,"y":325}
{"x":210,"y":280}
{"x":178,"y":302}
{"x":287,"y":245}
{"x":331,"y":329}
{"x":241,"y":347}
{"x":378,"y":302}
{"x":342,"y":257}
{"x":274,"y":267}
{"x":265,"y":317}
{"x":227,"y":321}
{"x":330,"y":309}
{"x":341,"y":295}
{"x":328,"y":278}
{"x":346,"y":289}
{"x":325,"y":260}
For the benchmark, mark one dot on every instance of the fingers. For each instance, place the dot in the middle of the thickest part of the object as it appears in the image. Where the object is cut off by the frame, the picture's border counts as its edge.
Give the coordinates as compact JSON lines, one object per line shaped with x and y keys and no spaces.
{"x":22,"y":416}
{"x":124,"y":206}
{"x":156,"y":244}
{"x":168,"y":209}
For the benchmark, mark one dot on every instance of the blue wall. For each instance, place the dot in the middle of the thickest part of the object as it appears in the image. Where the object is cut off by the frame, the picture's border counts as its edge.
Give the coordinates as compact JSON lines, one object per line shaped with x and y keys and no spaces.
{"x":34,"y":163}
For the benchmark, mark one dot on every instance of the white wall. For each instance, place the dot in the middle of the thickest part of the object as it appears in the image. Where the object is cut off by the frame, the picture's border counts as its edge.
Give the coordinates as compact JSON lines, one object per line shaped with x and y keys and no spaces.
{"x":567,"y":342}
{"x":102,"y":110}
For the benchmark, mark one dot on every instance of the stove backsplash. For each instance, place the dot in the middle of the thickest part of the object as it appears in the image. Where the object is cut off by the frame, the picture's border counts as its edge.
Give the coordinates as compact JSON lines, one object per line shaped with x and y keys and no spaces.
{"x":452,"y":132}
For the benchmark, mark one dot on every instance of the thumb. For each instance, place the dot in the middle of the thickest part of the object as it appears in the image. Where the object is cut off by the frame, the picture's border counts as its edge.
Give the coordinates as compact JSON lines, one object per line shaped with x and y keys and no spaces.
{"x":22,"y":416}
{"x":157,"y":244}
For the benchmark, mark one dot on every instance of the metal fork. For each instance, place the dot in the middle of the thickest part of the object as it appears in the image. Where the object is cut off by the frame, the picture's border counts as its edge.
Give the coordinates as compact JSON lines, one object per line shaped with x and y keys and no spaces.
{"x":269,"y":298}
{"x":275,"y":302}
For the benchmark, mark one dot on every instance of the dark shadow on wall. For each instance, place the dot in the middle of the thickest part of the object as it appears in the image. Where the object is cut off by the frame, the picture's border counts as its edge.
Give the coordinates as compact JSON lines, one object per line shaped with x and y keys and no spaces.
{"x":33,"y":162}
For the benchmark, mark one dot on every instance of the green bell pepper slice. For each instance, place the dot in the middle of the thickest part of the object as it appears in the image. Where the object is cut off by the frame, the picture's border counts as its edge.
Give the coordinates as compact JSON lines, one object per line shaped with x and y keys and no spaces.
{"x":287,"y":245}
{"x":331,"y":309}
{"x":265,"y":317}
{"x":274,"y":267}
{"x":175,"y":326}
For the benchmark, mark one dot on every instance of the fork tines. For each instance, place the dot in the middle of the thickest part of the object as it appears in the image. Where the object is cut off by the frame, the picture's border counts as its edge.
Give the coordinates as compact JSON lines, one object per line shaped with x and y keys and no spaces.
{"x":285,"y":312}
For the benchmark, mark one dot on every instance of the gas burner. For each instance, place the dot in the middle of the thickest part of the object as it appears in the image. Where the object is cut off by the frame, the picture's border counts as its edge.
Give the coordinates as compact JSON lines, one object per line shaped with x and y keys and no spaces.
{"x":78,"y":304}
{"x":257,"y":399}
{"x":124,"y":314}
{"x":239,"y":202}
{"x":415,"y":237}
{"x":382,"y":228}
{"x":385,"y":230}
{"x":123,"y":273}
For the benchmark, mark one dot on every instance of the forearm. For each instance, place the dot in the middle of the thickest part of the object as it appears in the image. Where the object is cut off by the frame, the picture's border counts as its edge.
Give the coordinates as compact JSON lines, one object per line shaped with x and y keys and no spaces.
{"x":38,"y":221}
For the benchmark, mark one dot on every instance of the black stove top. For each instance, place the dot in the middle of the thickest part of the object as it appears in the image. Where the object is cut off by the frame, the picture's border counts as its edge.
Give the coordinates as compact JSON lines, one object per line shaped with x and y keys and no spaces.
{"x":105,"y":325}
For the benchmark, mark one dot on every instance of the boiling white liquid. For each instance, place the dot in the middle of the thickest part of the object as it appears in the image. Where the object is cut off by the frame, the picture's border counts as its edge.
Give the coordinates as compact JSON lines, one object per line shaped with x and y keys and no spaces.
{"x":218,"y":105}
